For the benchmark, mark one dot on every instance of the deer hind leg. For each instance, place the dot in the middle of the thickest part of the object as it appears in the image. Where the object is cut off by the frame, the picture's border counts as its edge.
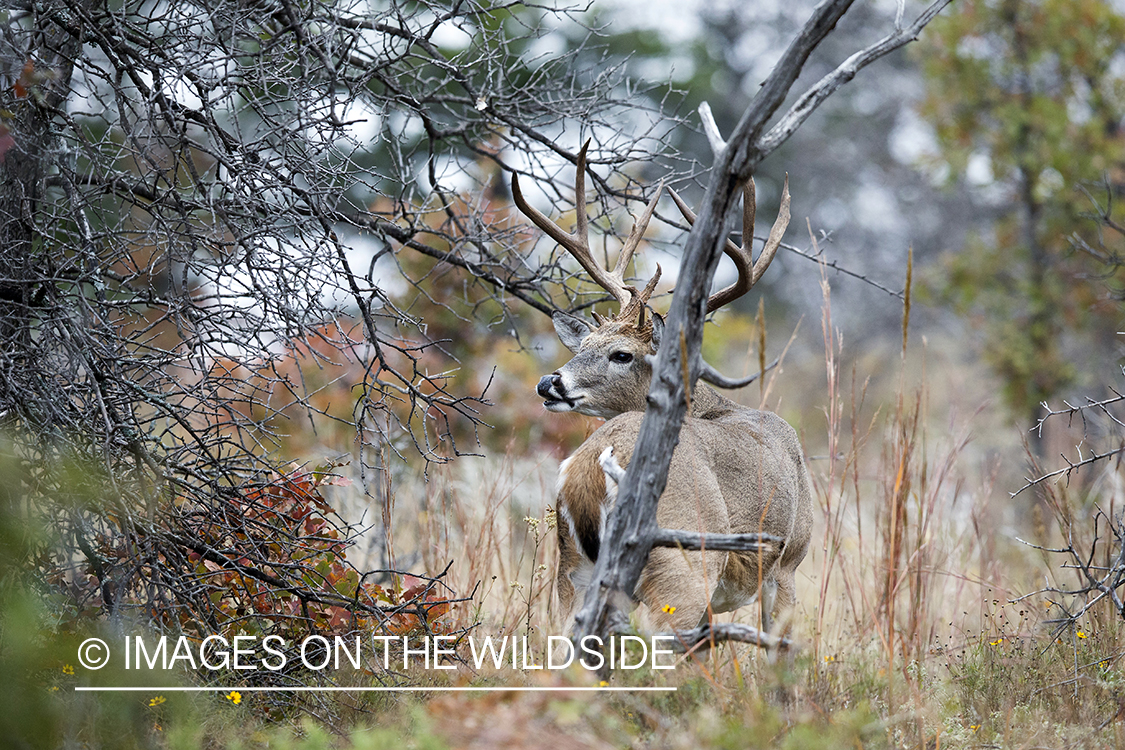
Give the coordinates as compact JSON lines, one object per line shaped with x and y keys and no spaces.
{"x":782,"y":606}
{"x":748,"y":578}
{"x":767,"y":600}
{"x":677,"y":586}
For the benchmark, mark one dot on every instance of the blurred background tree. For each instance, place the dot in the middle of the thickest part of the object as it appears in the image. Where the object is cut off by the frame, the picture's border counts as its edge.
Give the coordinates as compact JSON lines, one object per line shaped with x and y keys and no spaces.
{"x":1027,"y":99}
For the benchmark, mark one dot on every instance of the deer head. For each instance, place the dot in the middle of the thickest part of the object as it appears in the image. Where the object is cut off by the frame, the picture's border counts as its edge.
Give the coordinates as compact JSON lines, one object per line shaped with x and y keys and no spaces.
{"x":612,"y":367}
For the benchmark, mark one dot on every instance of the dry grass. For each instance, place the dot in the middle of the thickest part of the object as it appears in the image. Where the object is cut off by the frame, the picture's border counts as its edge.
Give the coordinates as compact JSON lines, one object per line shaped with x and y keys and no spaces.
{"x":911,"y":635}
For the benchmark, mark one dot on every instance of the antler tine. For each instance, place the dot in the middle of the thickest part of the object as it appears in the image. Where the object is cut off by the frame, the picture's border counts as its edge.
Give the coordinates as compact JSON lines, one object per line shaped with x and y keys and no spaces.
{"x":578,"y":243}
{"x":773,"y":242}
{"x":636,"y":234}
{"x":748,"y":271}
{"x":709,"y":374}
{"x":636,"y":306}
{"x":740,"y":255}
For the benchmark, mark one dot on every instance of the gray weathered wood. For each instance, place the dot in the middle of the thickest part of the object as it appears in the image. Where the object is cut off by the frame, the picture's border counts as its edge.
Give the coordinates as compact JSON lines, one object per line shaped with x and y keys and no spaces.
{"x":632,"y":526}
{"x":716,"y":542}
{"x":703,"y":637}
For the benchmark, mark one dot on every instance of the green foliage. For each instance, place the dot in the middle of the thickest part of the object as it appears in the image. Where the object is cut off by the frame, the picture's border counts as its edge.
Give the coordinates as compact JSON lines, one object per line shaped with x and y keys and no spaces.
{"x":1029,"y":89}
{"x":1030,"y":84}
{"x":38,"y":671}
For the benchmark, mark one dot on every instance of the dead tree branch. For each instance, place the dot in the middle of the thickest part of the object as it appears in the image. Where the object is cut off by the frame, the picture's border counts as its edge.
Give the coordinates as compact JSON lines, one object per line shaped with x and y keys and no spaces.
{"x":632,"y":525}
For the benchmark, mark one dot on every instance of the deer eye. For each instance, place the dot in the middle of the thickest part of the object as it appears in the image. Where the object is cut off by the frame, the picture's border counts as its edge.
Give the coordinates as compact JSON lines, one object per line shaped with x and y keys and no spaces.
{"x":621,"y":358}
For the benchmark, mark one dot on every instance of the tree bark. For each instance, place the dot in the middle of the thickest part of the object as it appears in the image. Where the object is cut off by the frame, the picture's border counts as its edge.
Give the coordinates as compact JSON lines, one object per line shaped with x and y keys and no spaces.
{"x":632,"y":527}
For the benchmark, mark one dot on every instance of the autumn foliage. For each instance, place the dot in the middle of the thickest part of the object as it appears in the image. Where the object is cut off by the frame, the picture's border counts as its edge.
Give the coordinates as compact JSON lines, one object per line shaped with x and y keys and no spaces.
{"x":280,"y":554}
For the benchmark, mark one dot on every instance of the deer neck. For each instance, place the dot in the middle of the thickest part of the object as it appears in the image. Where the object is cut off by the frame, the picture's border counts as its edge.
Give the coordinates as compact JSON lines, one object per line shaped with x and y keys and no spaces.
{"x":707,"y":403}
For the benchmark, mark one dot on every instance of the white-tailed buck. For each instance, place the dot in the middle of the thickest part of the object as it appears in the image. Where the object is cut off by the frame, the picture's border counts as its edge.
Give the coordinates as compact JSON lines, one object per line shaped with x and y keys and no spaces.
{"x":736,"y":469}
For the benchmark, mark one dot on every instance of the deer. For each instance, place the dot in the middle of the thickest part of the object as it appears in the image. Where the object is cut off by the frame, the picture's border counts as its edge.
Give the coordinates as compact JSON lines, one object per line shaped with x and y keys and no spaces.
{"x":735,"y":469}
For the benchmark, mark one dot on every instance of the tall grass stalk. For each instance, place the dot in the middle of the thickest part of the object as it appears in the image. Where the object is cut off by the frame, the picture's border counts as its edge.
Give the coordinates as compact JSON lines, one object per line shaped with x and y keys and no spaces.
{"x":910,"y":632}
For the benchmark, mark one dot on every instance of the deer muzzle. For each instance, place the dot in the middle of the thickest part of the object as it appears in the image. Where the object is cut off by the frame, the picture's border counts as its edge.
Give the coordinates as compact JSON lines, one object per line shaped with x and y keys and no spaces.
{"x":553,"y":393}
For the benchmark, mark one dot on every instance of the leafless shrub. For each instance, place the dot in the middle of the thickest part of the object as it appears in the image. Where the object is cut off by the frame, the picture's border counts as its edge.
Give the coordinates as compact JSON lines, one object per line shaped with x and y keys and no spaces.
{"x":201,"y":203}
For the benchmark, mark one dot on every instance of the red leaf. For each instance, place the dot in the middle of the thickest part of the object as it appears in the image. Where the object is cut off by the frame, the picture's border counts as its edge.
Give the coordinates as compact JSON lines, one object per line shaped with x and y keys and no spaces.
{"x":25,"y":79}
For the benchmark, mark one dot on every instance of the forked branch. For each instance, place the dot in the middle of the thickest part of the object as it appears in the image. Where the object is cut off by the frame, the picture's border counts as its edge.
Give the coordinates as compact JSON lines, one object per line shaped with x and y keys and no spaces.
{"x":1071,"y":466}
{"x":1096,"y":582}
{"x":633,"y":522}
{"x":714,"y":633}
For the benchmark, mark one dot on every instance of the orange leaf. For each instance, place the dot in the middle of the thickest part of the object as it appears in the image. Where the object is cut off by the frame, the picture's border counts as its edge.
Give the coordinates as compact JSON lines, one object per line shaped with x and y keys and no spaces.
{"x":22,"y":83}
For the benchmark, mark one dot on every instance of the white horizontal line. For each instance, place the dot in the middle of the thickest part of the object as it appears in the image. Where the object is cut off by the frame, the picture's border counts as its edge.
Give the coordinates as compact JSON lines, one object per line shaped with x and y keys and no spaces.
{"x":310,"y":689}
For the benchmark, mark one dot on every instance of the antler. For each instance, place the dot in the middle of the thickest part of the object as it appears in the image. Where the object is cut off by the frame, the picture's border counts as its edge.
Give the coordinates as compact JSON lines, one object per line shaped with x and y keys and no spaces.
{"x":578,"y":244}
{"x":748,"y":271}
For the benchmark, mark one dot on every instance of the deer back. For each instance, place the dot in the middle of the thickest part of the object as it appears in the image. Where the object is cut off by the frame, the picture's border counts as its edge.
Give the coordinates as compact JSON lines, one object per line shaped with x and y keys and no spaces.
{"x":735,"y":470}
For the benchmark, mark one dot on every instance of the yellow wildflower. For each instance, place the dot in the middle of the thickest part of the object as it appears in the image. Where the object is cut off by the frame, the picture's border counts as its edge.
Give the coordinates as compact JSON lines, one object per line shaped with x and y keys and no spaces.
{"x":154,"y":702}
{"x":67,"y":669}
{"x":1081,"y":634}
{"x":668,"y":609}
{"x":234,"y":697}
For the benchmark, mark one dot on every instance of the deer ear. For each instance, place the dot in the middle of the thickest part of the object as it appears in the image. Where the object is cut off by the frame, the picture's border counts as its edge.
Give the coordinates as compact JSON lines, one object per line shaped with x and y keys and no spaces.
{"x":657,"y":330}
{"x":571,"y":330}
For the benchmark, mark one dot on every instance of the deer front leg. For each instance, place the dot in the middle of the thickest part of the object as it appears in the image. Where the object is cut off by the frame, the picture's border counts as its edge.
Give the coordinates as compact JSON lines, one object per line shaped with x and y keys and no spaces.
{"x":782,"y":609}
{"x":570,"y":562}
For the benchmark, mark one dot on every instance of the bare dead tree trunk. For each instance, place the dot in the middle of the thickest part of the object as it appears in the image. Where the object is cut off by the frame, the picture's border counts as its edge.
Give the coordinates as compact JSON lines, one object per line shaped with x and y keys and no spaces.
{"x":632,"y":528}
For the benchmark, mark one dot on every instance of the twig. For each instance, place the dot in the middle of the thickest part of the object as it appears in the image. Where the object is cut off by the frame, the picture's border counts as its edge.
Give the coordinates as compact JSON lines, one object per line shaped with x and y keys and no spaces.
{"x":1071,"y":466}
{"x":706,"y":636}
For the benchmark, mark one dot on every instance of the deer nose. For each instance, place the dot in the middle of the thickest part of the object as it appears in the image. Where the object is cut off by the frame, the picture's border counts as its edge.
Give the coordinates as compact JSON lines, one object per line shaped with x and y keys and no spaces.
{"x":550,"y":386}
